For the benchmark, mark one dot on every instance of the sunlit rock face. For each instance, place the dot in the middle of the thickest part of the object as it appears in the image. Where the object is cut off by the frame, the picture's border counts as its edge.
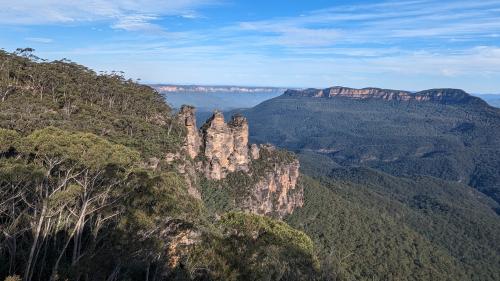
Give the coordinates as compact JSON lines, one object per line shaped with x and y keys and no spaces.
{"x":192,"y":143}
{"x":239,"y":129}
{"x":277,"y":192}
{"x":445,"y":96}
{"x":225,"y":145}
{"x":221,"y":148}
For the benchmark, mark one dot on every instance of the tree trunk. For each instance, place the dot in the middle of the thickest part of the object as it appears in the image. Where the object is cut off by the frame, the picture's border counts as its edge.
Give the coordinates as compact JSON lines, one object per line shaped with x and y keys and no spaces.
{"x":147,"y":271}
{"x":29,"y":262}
{"x":78,"y":234}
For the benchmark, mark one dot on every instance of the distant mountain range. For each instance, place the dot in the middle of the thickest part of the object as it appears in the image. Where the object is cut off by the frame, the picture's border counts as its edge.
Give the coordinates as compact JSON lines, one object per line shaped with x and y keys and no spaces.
{"x":445,"y":96}
{"x":390,"y":167}
{"x":445,"y":133}
{"x":222,"y":103}
{"x":491,"y":99}
{"x":168,"y":88}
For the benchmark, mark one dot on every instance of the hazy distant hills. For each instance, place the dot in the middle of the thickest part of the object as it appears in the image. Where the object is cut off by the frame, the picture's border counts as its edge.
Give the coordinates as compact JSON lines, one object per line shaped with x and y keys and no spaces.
{"x":443,"y":133}
{"x":169,"y":88}
{"x":368,"y":223}
{"x":387,"y":179}
{"x":208,"y":98}
{"x":491,"y":99}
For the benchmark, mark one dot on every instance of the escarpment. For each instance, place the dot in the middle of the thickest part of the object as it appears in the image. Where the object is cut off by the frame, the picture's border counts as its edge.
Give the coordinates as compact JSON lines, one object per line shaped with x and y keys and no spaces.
{"x":187,"y":118}
{"x":220,"y":149}
{"x":276,"y":191}
{"x":444,"y":96}
{"x":224,"y":146}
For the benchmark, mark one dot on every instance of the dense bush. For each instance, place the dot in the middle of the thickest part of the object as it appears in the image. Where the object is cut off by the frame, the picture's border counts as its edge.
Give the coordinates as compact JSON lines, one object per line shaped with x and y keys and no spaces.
{"x":80,"y":200}
{"x":372,"y":226}
{"x":457,"y":142}
{"x":252,"y":247}
{"x":37,"y":94}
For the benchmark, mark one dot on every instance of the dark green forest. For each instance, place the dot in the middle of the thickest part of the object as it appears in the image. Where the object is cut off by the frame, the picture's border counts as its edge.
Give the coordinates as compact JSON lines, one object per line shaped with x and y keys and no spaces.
{"x":392,"y":191}
{"x":373,"y":226}
{"x":457,"y":141}
{"x":85,"y":193}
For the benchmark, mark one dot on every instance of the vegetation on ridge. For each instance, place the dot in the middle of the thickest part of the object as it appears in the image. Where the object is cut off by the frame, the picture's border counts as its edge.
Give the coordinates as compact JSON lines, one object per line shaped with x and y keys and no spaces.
{"x":82,"y":199}
{"x":418,"y":222}
{"x":457,"y":141}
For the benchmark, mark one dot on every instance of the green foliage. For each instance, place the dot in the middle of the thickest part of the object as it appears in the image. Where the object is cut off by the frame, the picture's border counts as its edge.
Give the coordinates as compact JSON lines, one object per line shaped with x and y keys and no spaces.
{"x":458,"y":142}
{"x":8,"y":140}
{"x":361,"y":244}
{"x":36,"y":94}
{"x":127,"y":215}
{"x":421,"y":228}
{"x":269,"y":158}
{"x":266,"y":228}
{"x":156,"y":197}
{"x":252,"y":247}
{"x":13,"y":171}
{"x":88,"y":149}
{"x":217,"y":197}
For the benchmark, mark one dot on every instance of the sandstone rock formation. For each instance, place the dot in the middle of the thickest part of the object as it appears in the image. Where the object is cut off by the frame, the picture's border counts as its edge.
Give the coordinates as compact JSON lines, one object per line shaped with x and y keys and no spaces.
{"x":187,"y":117}
{"x":221,"y":148}
{"x":225,"y":146}
{"x":276,"y":192}
{"x":254,"y":151}
{"x":445,"y":96}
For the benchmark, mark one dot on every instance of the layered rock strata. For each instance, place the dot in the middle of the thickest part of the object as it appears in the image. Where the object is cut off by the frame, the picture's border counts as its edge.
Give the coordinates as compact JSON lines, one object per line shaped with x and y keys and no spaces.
{"x":276,"y":192}
{"x":224,"y":145}
{"x":445,"y":96}
{"x":221,"y":148}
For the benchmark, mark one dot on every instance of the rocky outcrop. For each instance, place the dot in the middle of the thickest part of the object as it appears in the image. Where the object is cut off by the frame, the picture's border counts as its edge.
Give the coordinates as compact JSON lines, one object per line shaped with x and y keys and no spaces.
{"x":219,"y":149}
{"x":254,"y":151}
{"x":445,"y":96}
{"x":224,"y":145}
{"x":187,"y":118}
{"x":239,"y":129}
{"x":276,"y":192}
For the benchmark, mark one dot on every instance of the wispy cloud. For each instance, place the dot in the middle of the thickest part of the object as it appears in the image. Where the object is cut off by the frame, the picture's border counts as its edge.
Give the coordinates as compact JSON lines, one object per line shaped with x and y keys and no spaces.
{"x":39,"y":40}
{"x":129,"y":15}
{"x":137,"y":22}
{"x":411,"y":44}
{"x":393,"y":20}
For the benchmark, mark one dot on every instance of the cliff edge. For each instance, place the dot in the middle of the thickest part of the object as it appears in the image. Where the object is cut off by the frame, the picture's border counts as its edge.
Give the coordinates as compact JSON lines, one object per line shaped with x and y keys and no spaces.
{"x":221,"y":149}
{"x":443,"y":96}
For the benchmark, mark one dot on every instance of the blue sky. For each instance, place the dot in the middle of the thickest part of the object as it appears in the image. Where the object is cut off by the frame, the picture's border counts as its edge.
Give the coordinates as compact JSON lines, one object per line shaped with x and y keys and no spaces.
{"x":414,"y":44}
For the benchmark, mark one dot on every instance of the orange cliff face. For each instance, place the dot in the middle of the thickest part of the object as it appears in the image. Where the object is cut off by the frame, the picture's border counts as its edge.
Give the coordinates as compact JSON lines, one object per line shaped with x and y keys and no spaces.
{"x":445,"y":96}
{"x":225,"y":145}
{"x":193,"y":142}
{"x":221,"y":148}
{"x":277,"y":191}
{"x":168,"y":88}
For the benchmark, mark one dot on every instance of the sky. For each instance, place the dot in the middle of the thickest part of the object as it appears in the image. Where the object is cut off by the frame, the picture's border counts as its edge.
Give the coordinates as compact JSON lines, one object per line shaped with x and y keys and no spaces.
{"x":407,"y":44}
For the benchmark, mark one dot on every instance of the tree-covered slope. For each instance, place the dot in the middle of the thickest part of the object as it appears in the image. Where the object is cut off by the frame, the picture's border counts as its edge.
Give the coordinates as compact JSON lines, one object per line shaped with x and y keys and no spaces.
{"x":372,"y":226}
{"x":37,"y":93}
{"x":87,"y":192}
{"x":421,"y":220}
{"x":457,"y":141}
